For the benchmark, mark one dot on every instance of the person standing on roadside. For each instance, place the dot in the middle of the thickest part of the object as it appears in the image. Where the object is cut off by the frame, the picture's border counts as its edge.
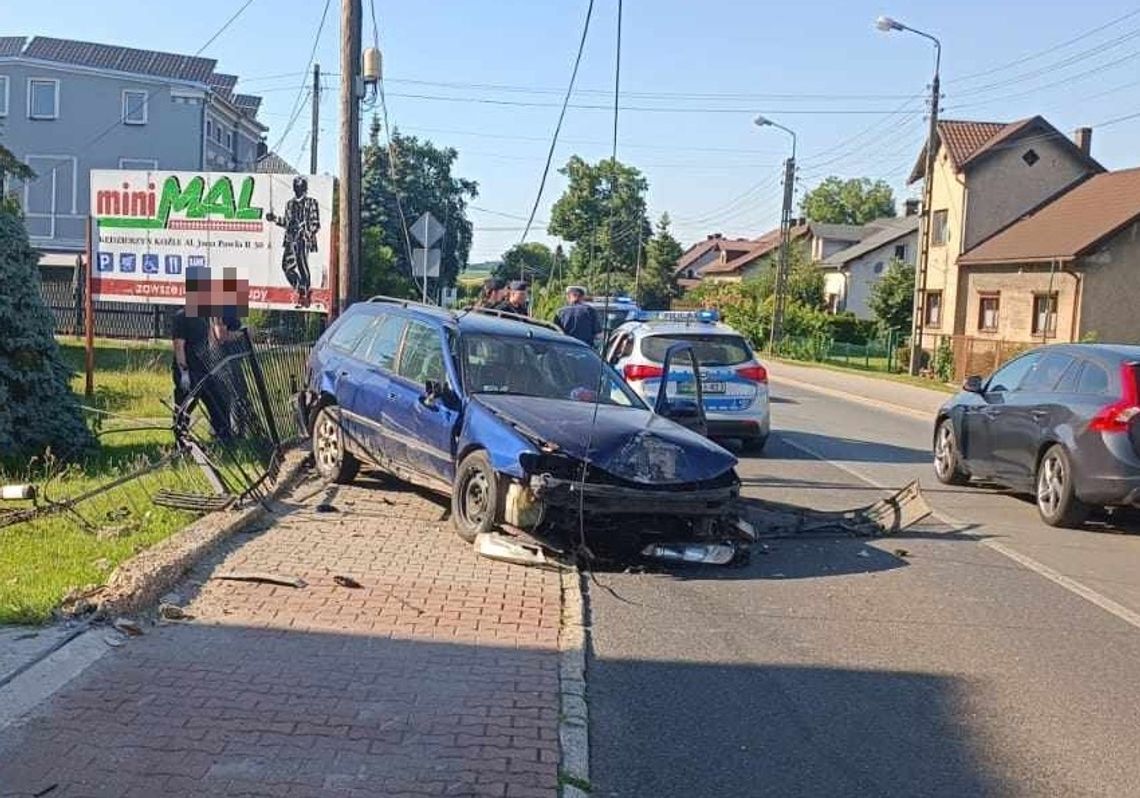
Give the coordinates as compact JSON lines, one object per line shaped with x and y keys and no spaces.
{"x":577,"y":319}
{"x":516,"y":301}
{"x":491,"y":293}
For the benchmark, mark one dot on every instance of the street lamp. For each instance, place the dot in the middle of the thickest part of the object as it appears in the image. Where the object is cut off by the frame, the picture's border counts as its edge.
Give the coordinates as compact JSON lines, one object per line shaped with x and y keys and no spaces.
{"x":781,"y":288}
{"x":887,"y":24}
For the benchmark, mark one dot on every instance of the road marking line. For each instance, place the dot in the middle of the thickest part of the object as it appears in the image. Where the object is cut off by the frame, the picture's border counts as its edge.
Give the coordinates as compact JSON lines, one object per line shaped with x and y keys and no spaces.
{"x":889,"y":406}
{"x":1068,"y":583}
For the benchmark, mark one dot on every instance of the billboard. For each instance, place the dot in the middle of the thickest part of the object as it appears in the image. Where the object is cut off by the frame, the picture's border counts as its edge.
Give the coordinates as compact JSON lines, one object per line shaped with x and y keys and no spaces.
{"x":151,"y":227}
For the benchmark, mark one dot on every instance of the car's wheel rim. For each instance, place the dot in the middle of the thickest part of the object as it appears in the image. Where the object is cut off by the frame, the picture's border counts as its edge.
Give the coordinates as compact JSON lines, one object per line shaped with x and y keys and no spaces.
{"x":944,"y":451}
{"x":328,"y":442}
{"x":1051,"y":485}
{"x":476,"y":498}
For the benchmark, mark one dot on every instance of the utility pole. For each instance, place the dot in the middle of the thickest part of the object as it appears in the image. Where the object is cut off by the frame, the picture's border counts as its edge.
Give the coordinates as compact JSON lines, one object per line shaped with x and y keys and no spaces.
{"x":637,"y":269}
{"x":785,"y":243}
{"x":314,"y":133}
{"x":350,"y":94}
{"x":927,"y":225}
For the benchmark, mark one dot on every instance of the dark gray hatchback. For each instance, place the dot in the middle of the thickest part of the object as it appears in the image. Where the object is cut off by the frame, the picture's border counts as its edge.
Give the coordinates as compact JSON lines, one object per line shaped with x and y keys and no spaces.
{"x":1061,"y":421}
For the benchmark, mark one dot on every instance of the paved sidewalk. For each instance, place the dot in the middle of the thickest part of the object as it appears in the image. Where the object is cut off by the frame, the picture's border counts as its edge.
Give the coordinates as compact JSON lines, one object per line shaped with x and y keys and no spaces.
{"x":912,"y":399}
{"x":438,"y":676}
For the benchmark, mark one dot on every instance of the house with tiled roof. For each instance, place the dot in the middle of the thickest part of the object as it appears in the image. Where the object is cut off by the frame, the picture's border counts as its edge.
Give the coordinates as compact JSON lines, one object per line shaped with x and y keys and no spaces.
{"x":745,"y":258}
{"x":851,"y":273}
{"x":986,"y":176}
{"x":67,"y":107}
{"x":1067,"y":270}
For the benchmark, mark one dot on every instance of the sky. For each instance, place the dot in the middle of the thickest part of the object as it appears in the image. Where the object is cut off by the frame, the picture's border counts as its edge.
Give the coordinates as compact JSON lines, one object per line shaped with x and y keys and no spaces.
{"x":693,"y":75}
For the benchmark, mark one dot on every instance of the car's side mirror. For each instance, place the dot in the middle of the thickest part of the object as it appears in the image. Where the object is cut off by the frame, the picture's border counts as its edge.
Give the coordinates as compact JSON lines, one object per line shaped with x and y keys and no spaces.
{"x":973,"y":384}
{"x":436,"y":391}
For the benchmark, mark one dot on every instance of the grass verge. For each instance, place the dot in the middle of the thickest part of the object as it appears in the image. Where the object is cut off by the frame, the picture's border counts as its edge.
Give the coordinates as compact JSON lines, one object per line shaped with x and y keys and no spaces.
{"x":877,"y":373}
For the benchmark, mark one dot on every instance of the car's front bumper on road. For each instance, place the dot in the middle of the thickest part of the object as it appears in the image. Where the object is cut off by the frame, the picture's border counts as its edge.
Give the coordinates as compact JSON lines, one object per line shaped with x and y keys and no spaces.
{"x":604,"y":499}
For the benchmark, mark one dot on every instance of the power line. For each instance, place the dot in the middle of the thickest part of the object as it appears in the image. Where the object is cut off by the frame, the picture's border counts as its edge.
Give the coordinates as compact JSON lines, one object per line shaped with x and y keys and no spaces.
{"x":299,"y":103}
{"x":561,"y":116}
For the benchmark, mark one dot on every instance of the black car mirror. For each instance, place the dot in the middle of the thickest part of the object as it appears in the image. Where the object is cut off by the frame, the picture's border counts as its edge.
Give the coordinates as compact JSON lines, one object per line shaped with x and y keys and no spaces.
{"x":973,"y":384}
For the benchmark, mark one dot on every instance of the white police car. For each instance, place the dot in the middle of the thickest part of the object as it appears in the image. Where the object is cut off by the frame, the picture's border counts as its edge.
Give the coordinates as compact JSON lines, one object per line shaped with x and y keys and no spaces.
{"x":733,"y":383}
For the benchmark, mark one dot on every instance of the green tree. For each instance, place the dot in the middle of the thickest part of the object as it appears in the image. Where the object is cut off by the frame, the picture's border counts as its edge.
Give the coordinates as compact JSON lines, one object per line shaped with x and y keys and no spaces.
{"x":602,"y":212}
{"x":892,"y":297}
{"x":37,"y":408}
{"x":854,"y":201}
{"x":533,"y":260}
{"x":658,"y":284}
{"x":421,"y":176}
{"x":11,"y":167}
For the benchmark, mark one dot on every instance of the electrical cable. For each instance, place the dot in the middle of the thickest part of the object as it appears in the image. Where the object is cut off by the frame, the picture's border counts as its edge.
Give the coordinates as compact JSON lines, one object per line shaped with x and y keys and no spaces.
{"x":561,"y":117}
{"x":299,"y":103}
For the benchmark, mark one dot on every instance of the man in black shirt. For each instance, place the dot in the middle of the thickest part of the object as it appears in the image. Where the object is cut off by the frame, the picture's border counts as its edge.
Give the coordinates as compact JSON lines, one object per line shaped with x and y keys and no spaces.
{"x":516,"y":299}
{"x":577,"y":319}
{"x":190,"y":368}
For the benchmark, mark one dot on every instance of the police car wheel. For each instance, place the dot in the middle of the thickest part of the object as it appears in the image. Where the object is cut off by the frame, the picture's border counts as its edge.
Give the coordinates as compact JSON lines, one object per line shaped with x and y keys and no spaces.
{"x":755,"y":445}
{"x":332,"y":460}
{"x":474,"y":497}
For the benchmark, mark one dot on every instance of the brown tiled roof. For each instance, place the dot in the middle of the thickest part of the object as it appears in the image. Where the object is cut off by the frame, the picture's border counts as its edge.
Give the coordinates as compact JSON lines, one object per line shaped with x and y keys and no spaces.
{"x":1069,"y":226}
{"x":717,"y":242}
{"x":121,"y":59}
{"x":760,"y":247}
{"x":11,"y":45}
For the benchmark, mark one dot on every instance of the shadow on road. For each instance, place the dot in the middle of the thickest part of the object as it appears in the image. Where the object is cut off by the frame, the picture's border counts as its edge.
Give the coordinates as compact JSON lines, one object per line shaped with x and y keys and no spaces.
{"x":851,"y":450}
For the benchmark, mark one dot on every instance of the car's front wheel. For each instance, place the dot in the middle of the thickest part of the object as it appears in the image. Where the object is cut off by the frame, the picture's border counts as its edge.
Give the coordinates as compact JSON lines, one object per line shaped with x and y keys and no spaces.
{"x":474,"y":497}
{"x":947,"y":461}
{"x":333,"y":461}
{"x":1057,"y":500}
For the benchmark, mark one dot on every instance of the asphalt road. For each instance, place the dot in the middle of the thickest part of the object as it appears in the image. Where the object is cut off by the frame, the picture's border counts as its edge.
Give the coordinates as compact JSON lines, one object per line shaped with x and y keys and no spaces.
{"x":983,"y":661}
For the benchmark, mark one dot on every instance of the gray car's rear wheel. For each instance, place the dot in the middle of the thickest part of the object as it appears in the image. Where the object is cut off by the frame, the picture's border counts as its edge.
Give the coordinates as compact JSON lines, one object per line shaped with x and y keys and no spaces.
{"x":947,"y":460}
{"x":474,"y":497}
{"x":1057,"y":500}
{"x":332,"y":459}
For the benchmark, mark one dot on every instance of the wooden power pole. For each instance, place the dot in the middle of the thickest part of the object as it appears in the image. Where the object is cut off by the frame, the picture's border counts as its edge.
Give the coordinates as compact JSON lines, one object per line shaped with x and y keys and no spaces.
{"x":314,"y":134}
{"x":348,"y":244}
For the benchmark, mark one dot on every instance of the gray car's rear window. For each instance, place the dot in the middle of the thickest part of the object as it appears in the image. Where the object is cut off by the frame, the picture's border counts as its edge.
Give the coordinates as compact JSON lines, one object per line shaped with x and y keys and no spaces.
{"x":711,"y":350}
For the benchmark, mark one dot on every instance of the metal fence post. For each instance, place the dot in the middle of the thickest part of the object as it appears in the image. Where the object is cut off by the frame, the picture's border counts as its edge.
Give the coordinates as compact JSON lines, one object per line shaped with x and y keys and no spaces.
{"x":262,"y":391}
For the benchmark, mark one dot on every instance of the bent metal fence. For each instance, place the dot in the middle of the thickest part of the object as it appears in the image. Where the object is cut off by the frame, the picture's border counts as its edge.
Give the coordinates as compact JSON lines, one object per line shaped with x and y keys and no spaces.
{"x":223,"y":446}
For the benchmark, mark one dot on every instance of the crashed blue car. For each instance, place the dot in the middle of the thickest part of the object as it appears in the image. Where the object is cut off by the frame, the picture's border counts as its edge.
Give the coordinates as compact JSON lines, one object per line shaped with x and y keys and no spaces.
{"x":528,"y":431}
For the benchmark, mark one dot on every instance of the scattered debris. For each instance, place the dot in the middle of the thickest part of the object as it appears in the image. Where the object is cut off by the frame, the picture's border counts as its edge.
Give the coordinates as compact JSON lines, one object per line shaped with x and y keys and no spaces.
{"x":48,"y":789}
{"x":260,"y":577}
{"x":888,"y":516}
{"x":114,"y":639}
{"x":325,"y":507}
{"x":173,"y":612}
{"x":863,"y":553}
{"x":902,"y":553}
{"x":127,"y":626}
{"x":499,"y":547}
{"x":347,"y":581}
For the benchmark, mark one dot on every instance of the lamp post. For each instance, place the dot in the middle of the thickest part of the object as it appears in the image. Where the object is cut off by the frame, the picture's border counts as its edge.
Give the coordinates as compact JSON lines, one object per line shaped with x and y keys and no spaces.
{"x":781,"y":288}
{"x":886,"y":24}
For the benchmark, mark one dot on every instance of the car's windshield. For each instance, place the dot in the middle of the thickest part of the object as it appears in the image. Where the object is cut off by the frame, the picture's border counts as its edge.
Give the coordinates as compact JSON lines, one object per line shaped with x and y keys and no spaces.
{"x":536,"y":367}
{"x":711,"y":350}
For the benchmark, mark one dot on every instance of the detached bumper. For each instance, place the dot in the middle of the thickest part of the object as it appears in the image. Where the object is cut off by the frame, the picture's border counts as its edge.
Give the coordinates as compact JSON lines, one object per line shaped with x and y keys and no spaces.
{"x":598,"y":499}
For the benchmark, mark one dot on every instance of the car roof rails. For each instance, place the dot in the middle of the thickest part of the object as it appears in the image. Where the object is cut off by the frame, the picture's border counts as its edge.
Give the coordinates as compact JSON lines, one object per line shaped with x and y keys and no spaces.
{"x":395,"y":300}
{"x":508,"y":316}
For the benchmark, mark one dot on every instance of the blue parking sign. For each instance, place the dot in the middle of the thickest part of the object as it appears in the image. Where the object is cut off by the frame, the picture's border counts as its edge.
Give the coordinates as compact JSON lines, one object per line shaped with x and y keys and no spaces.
{"x":150,"y":263}
{"x":174,"y":264}
{"x":126,"y":261}
{"x":106,"y":262}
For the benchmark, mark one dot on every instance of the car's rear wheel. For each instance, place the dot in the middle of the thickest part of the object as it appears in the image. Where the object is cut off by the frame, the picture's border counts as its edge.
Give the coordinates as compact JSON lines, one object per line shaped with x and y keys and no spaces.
{"x":474,"y":497}
{"x":333,"y":461}
{"x":1057,"y":500}
{"x":947,"y":460}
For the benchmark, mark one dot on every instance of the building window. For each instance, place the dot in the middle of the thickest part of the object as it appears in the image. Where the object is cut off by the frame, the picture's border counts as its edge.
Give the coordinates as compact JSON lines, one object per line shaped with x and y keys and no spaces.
{"x":900,"y":252}
{"x":43,"y":98}
{"x":229,"y":141}
{"x":3,"y":95}
{"x":209,"y":128}
{"x":988,"y":306}
{"x":939,"y":232}
{"x":217,"y":133}
{"x":933,"y":309}
{"x":138,"y":164}
{"x":135,"y":107}
{"x":1030,"y":157}
{"x":878,"y":267}
{"x":1045,"y":315}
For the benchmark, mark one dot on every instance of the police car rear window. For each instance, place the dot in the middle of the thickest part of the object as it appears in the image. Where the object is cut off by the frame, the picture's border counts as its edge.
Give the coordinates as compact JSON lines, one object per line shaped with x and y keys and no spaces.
{"x":711,"y":350}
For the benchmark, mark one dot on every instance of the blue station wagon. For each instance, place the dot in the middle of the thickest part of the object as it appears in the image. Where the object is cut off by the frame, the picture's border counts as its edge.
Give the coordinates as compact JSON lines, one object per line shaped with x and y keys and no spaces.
{"x":526,"y":429}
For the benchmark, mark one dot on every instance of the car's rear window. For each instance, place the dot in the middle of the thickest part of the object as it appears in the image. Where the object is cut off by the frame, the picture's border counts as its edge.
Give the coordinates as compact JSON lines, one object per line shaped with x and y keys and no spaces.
{"x":711,"y":350}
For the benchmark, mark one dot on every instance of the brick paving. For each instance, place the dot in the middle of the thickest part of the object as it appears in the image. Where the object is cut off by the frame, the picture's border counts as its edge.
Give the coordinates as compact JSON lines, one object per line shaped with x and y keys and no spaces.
{"x":437,"y":677}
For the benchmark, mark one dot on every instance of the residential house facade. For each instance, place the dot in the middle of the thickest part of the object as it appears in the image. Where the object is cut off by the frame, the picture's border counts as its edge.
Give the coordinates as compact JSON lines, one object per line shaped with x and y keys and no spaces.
{"x":851,"y":273}
{"x":986,"y":176}
{"x":67,"y":107}
{"x":1070,"y":270}
{"x":815,"y":241}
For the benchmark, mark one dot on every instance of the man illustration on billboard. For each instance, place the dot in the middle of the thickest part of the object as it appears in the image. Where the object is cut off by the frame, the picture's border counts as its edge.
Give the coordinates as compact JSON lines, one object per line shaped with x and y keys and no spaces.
{"x":302,"y":222}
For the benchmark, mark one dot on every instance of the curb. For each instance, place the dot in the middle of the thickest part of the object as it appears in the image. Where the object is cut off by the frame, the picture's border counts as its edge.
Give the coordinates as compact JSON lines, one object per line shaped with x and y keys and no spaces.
{"x":573,"y":716}
{"x":141,"y":580}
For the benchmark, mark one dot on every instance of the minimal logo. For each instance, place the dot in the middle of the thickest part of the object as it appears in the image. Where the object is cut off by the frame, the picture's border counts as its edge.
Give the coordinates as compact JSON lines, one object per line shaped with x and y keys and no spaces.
{"x":174,"y":264}
{"x":126,"y":261}
{"x":150,"y":263}
{"x":106,"y":262}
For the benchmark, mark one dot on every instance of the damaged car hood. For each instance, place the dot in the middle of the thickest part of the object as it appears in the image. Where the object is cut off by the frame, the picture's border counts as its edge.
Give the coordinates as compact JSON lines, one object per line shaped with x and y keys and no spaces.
{"x":629,"y":443}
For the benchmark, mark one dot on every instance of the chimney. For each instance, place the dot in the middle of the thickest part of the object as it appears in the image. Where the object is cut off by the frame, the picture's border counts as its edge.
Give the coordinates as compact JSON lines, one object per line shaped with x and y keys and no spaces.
{"x":1082,"y":137}
{"x":913,"y":206}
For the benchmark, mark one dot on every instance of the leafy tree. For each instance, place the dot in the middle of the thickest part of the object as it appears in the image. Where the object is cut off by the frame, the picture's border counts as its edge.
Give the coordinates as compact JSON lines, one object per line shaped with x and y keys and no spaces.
{"x":37,"y":408}
{"x":602,"y":212}
{"x":11,"y":167}
{"x":421,"y":177}
{"x":658,"y":284}
{"x":892,"y":297}
{"x":854,"y":201}
{"x":533,"y":260}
